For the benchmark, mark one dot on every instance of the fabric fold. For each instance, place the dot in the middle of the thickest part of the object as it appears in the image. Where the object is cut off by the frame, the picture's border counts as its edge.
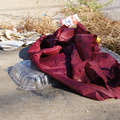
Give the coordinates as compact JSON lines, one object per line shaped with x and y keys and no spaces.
{"x":72,"y":56}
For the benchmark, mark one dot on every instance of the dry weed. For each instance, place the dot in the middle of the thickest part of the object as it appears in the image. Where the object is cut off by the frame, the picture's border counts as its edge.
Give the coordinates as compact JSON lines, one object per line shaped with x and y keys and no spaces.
{"x":6,"y":26}
{"x":42,"y":25}
{"x":96,"y":22}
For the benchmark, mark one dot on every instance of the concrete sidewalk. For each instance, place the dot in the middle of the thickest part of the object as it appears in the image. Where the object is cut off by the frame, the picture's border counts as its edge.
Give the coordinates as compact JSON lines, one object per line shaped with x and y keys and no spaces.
{"x":112,"y":10}
{"x":13,"y":11}
{"x":58,"y":103}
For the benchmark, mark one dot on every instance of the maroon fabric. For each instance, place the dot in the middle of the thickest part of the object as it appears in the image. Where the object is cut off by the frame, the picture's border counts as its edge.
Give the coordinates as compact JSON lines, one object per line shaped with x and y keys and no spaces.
{"x":72,"y":56}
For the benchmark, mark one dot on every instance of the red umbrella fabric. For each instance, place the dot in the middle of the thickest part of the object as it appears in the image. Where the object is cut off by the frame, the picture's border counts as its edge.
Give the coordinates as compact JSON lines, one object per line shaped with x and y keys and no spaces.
{"x":72,"y":56}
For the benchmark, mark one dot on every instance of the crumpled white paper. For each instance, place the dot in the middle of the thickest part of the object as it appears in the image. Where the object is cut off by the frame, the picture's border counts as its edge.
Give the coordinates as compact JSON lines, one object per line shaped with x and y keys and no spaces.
{"x":11,"y":39}
{"x":10,"y":45}
{"x":70,"y":20}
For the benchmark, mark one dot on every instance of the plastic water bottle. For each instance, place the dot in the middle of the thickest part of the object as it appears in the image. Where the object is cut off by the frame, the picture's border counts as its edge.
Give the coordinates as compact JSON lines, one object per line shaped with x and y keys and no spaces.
{"x":27,"y":76}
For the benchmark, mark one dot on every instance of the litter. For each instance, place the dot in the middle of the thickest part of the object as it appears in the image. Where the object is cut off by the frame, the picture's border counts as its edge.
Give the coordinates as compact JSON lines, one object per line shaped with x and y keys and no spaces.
{"x":70,"y":20}
{"x":26,"y":76}
{"x":112,"y":53}
{"x":11,"y":39}
{"x":10,"y":45}
{"x":72,"y":56}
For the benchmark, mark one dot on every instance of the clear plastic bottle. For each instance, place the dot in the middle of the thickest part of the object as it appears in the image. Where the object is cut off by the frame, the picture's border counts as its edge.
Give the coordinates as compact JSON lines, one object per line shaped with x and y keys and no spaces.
{"x":27,"y":76}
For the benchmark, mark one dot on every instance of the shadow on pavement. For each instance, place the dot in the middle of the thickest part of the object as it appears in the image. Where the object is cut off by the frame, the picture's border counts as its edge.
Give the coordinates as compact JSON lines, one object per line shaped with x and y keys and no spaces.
{"x":24,"y":53}
{"x":50,"y":93}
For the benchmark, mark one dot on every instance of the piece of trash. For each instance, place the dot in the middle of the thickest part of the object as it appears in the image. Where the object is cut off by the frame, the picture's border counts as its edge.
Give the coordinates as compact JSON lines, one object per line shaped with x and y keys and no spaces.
{"x":30,"y":40}
{"x":11,"y":39}
{"x":70,"y":20}
{"x":112,"y":53}
{"x":98,"y":40}
{"x":10,"y":45}
{"x":2,"y":38}
{"x":27,"y":77}
{"x":80,"y":58}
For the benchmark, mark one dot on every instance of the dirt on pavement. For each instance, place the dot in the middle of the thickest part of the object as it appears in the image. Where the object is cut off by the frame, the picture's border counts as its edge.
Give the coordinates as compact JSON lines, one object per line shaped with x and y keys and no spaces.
{"x":13,"y":11}
{"x":59,"y":103}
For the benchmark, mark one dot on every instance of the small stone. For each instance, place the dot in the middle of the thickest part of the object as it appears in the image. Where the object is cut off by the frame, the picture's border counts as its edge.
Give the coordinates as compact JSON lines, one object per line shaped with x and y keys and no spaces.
{"x":52,"y":111}
{"x":87,"y":111}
